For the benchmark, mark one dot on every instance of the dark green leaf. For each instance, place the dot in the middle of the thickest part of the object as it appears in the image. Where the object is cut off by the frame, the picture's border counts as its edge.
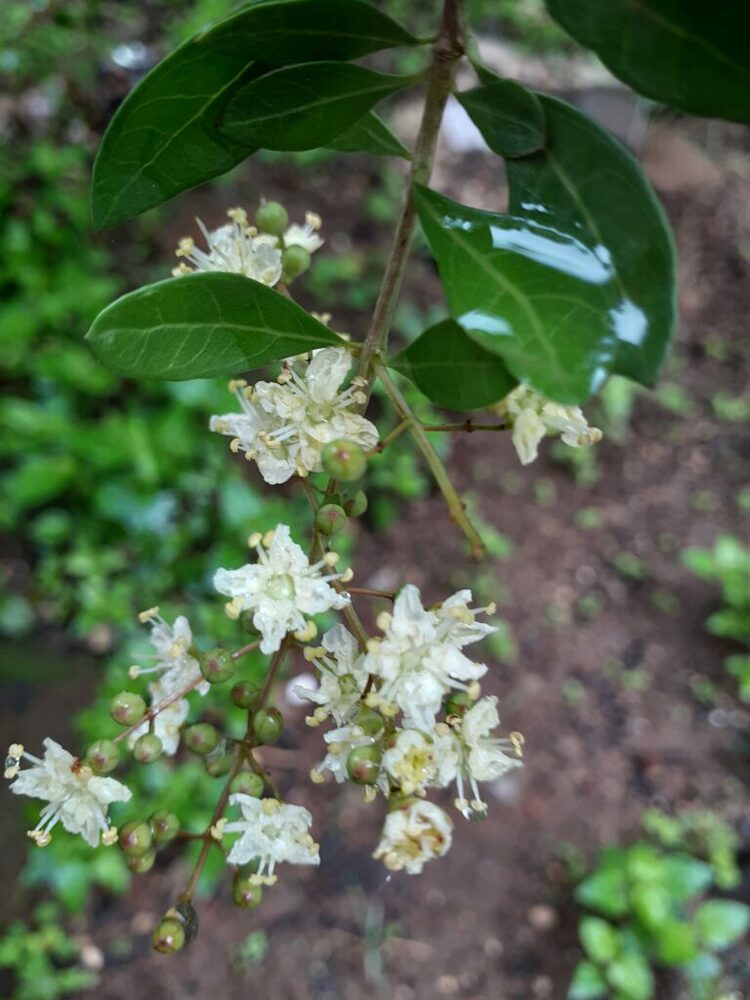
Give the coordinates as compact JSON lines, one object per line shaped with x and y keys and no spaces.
{"x":369,"y":135}
{"x":202,"y":325}
{"x":452,"y":370}
{"x":587,"y":984}
{"x":577,"y":281}
{"x":599,"y":939}
{"x":162,"y":140}
{"x":721,"y":922}
{"x":687,"y":53}
{"x":509,"y":116}
{"x":305,"y":106}
{"x":631,"y":975}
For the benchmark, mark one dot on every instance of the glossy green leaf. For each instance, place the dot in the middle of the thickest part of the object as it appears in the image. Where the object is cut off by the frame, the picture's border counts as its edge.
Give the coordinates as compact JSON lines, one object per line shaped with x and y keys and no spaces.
{"x":599,"y":939}
{"x":452,"y":370}
{"x":686,"y":53}
{"x":509,"y":116}
{"x":369,"y":135}
{"x":577,"y":281}
{"x":305,"y":106}
{"x":163,"y":140}
{"x":631,"y":975}
{"x":722,"y":922}
{"x":587,"y":983}
{"x":202,"y":325}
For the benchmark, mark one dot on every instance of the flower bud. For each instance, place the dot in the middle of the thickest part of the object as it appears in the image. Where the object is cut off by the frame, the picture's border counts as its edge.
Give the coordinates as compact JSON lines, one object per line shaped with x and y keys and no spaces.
{"x":164,"y":826}
{"x":457,"y":702}
{"x":244,"y":892}
{"x":271,"y":217}
{"x":217,"y":666}
{"x":103,"y":756}
{"x":244,"y":693}
{"x":344,"y":460}
{"x":169,"y":936}
{"x":247,"y":783}
{"x":147,"y":748}
{"x":369,"y":721}
{"x":201,"y":738}
{"x":363,"y":764}
{"x":267,"y":725}
{"x":135,"y":838}
{"x":330,"y":518}
{"x":127,"y":708}
{"x":357,"y":505}
{"x":246,"y":621}
{"x":140,"y":864}
{"x":218,"y":763}
{"x":294,"y":262}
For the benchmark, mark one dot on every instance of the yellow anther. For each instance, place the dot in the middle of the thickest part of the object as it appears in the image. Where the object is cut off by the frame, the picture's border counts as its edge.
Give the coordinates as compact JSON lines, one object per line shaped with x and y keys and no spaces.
{"x":313,"y":220}
{"x":236,"y":384}
{"x":15,"y":750}
{"x":177,"y":272}
{"x":372,"y":645}
{"x":308,"y":633}
{"x":255,"y":539}
{"x":347,"y":575}
{"x":235,"y":445}
{"x":268,"y":538}
{"x":517,"y":740}
{"x":185,"y":247}
{"x":233,"y":608}
{"x":311,"y":653}
{"x":217,"y":830}
{"x":474,"y":690}
{"x":491,"y":608}
{"x":311,"y":721}
{"x":134,"y":671}
{"x":316,"y":777}
{"x":110,"y":837}
{"x":370,"y":794}
{"x":270,"y":806}
{"x":238,"y":215}
{"x":384,"y":620}
{"x":10,"y":772}
{"x":148,"y":614}
{"x":331,"y":558}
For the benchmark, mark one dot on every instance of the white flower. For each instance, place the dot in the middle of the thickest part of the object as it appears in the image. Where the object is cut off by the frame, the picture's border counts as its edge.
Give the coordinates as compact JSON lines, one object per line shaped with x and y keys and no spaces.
{"x":419,"y":658}
{"x":412,"y":835}
{"x":533,"y":417}
{"x":305,"y":236}
{"x":178,"y":669}
{"x":280,"y":589}
{"x":271,"y":833}
{"x":412,"y":762}
{"x":234,"y":248}
{"x":285,"y":425}
{"x":77,"y":797}
{"x":342,"y":675}
{"x":168,"y":722}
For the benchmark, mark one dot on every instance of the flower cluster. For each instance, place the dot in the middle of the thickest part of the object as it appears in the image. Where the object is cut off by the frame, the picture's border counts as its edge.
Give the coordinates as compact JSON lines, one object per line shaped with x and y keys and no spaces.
{"x":532,"y":417}
{"x":284,"y":426}
{"x":409,"y":717}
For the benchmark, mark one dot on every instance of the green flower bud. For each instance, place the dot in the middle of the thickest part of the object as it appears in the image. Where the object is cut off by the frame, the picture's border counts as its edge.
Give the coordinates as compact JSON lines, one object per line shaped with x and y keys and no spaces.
{"x":330,"y":518}
{"x":246,"y":621}
{"x":243,"y":694}
{"x":244,"y":892}
{"x":363,"y":764}
{"x":357,"y":505}
{"x":187,"y":913}
{"x":127,"y":708}
{"x":147,"y":748}
{"x":247,"y":783}
{"x":457,"y":702}
{"x":271,"y":217}
{"x":344,"y":460}
{"x":140,"y":864}
{"x":103,"y":756}
{"x":201,"y":738}
{"x":169,"y":936}
{"x":218,"y":763}
{"x":164,"y":826}
{"x":294,"y":262}
{"x":135,"y":838}
{"x":217,"y":666}
{"x":369,"y":721}
{"x":267,"y":725}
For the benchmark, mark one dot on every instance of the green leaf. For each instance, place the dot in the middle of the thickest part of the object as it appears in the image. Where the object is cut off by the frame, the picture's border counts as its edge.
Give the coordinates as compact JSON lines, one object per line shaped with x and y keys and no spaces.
{"x":686,"y":53}
{"x":677,"y":943}
{"x":369,"y":135}
{"x":599,"y":939}
{"x":631,"y":975}
{"x":685,"y":876}
{"x":652,"y":904}
{"x":452,"y":370}
{"x":577,"y":281}
{"x":163,"y":140}
{"x":721,"y":922}
{"x":202,"y":325}
{"x":305,"y":106}
{"x":587,"y":983}
{"x":605,"y":891}
{"x":509,"y":116}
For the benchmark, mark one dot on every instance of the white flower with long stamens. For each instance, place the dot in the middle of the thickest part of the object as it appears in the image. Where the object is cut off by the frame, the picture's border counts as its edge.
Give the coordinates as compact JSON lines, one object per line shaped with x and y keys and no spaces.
{"x":419,"y":658}
{"x":532,"y":417}
{"x":76,"y":797}
{"x":305,"y":236}
{"x":280,"y":589}
{"x":285,"y":425}
{"x":234,"y":248}
{"x":168,"y":721}
{"x":342,"y":677}
{"x":177,"y":667}
{"x":412,"y":835}
{"x":412,"y":762}
{"x":271,"y":832}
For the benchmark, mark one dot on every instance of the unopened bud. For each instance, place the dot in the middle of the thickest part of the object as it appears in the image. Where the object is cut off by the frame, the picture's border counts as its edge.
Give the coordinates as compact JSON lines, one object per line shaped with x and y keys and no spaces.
{"x":217,"y":666}
{"x":267,"y":725}
{"x":247,"y":783}
{"x":201,"y":738}
{"x":140,"y":864}
{"x":357,"y":505}
{"x":294,"y":262}
{"x":369,"y":721}
{"x":244,"y":693}
{"x":164,"y":826}
{"x":363,"y":764}
{"x":147,"y":748}
{"x":127,"y":708}
{"x":169,"y":936}
{"x":457,"y":702}
{"x":103,"y":756}
{"x":344,"y":460}
{"x":218,"y":763}
{"x":245,"y":892}
{"x":271,"y":217}
{"x":135,"y":838}
{"x":330,"y":518}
